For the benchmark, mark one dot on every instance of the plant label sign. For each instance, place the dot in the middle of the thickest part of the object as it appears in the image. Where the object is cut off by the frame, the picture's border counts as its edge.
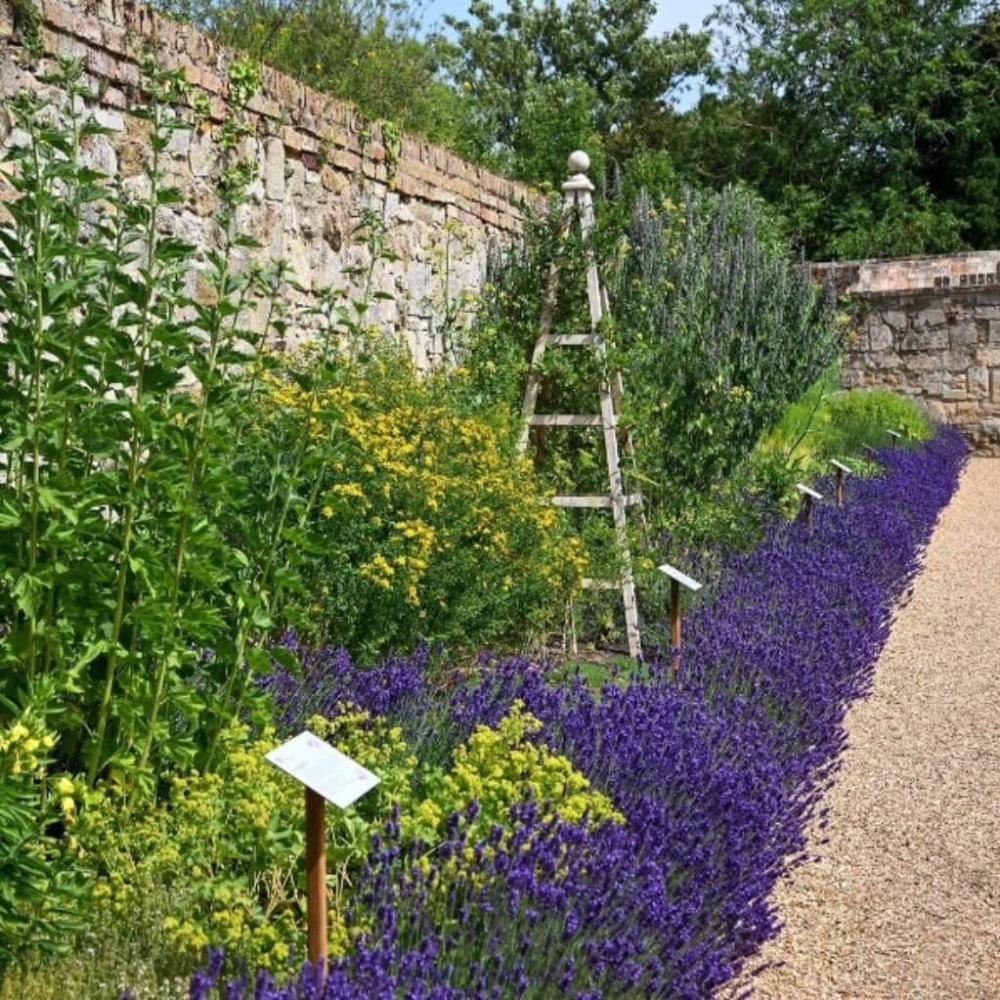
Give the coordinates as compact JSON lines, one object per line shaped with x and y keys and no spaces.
{"x":324,"y":769}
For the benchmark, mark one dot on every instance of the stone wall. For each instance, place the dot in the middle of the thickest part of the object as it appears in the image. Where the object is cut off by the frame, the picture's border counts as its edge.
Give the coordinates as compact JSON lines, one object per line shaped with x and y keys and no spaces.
{"x":930,"y":328}
{"x":319,"y":165}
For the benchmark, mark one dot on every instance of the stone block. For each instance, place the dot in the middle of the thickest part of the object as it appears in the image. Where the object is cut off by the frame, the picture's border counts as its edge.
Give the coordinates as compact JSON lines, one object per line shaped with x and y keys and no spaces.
{"x":896,"y":319}
{"x":922,"y":364}
{"x":880,"y":337}
{"x":933,"y":338}
{"x":97,"y":152}
{"x":274,"y":169}
{"x":978,"y":380}
{"x":995,"y":385}
{"x":202,"y":155}
{"x":994,"y":331}
{"x":109,"y":118}
{"x":884,"y":360}
{"x":989,"y":356}
{"x":180,"y":142}
{"x":963,"y":334}
{"x":931,"y":318}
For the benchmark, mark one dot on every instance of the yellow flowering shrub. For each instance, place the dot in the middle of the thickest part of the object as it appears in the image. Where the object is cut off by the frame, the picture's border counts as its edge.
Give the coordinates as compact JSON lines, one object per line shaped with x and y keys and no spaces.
{"x":226,"y":845}
{"x":427,"y":525}
{"x":229,"y":846}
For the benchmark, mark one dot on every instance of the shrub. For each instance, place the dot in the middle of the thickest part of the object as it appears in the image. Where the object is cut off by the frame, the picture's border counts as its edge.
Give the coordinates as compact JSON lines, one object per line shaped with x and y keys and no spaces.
{"x":115,"y":571}
{"x":424,"y":523}
{"x":728,"y":332}
{"x":829,"y":422}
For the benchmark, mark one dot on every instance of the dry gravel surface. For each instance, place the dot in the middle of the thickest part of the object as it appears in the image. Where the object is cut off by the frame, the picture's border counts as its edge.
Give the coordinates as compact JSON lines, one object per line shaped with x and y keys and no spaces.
{"x":904,"y":901}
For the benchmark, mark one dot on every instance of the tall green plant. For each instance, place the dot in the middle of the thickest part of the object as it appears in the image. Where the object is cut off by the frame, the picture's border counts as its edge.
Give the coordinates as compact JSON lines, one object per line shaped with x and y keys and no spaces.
{"x":116,"y":419}
{"x":722,"y":331}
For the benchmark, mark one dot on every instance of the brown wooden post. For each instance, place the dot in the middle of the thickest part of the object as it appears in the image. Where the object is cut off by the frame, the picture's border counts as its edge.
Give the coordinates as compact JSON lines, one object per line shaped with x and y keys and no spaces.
{"x":840,"y":487}
{"x":316,"y":877}
{"x":675,"y":625}
{"x":808,"y":495}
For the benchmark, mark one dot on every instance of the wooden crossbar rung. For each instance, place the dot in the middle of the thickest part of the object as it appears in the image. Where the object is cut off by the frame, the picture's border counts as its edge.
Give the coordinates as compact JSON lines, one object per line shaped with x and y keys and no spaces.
{"x":565,"y":420}
{"x":594,"y":500}
{"x":574,"y":339}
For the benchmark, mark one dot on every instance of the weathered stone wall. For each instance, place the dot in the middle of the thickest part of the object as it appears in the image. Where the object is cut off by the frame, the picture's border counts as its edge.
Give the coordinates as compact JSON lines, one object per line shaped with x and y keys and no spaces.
{"x":930,"y":328}
{"x":319,"y":166}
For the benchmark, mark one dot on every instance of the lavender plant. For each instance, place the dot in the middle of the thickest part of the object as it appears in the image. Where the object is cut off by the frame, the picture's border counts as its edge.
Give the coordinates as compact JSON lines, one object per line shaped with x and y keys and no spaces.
{"x":716,"y":777}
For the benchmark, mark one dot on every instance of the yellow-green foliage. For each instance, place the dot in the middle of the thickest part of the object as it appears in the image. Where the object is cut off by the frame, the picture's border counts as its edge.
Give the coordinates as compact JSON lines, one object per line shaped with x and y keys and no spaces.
{"x":500,"y":767}
{"x":225,"y":850}
{"x":828,"y":422}
{"x":428,"y":524}
{"x":227,"y":846}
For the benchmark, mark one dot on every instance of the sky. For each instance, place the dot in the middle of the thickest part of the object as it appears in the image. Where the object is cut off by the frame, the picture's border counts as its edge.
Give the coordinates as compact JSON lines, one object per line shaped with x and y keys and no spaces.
{"x":668,"y":15}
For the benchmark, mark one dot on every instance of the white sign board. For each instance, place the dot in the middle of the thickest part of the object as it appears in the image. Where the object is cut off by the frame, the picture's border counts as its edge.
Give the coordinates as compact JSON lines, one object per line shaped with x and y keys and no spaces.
{"x":840,"y":465}
{"x":324,"y":769}
{"x":682,"y":578}
{"x":807,"y":491}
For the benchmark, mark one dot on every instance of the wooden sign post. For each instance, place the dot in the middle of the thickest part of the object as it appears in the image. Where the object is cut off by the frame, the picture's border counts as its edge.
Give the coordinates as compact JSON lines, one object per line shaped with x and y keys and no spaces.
{"x":809,"y":497}
{"x":895,"y":435}
{"x":316,"y":919}
{"x":677,"y":579}
{"x":330,"y":776}
{"x":842,"y":471}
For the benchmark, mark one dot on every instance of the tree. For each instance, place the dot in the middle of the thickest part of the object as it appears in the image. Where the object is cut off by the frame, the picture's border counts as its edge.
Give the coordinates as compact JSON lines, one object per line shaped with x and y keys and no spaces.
{"x":865,"y":121}
{"x":594,"y":56}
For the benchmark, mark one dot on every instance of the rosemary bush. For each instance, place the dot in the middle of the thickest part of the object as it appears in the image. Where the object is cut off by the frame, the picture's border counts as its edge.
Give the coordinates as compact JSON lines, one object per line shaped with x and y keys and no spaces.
{"x":723,"y":331}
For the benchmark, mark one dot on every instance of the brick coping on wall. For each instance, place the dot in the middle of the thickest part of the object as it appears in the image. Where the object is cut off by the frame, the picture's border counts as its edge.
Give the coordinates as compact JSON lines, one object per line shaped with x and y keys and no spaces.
{"x":933,"y":274}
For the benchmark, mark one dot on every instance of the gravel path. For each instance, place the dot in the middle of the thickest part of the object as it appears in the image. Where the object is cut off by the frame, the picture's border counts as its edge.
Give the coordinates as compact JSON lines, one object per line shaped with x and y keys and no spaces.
{"x":905,"y":902}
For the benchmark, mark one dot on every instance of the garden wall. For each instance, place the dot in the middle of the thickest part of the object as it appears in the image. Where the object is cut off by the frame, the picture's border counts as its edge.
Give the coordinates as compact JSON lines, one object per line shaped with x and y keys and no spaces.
{"x":319,"y":164}
{"x":929,"y":327}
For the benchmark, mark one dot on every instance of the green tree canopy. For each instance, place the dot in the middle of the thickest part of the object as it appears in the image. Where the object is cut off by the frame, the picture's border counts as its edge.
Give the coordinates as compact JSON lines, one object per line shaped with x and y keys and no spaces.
{"x":544,"y":77}
{"x":873,"y":124}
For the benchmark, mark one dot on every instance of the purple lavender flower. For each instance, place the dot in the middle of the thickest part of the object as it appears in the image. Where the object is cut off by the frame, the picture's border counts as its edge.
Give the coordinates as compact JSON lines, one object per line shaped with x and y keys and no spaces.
{"x":717,"y":777}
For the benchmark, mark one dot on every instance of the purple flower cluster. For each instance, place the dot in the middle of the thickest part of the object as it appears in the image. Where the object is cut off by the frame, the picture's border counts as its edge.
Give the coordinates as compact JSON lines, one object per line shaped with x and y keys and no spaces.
{"x":716,"y":776}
